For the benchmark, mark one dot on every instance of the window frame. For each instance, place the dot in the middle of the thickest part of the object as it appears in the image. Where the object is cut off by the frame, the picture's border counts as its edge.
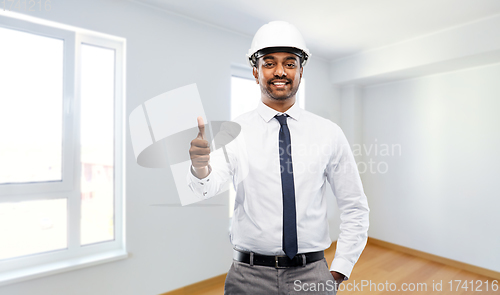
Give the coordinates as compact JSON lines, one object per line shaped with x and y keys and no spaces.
{"x":75,"y":256}
{"x":68,"y":137}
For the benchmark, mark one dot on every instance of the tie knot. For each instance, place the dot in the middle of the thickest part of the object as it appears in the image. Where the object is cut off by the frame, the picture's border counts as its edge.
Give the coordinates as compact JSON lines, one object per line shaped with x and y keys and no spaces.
{"x":281,"y":119}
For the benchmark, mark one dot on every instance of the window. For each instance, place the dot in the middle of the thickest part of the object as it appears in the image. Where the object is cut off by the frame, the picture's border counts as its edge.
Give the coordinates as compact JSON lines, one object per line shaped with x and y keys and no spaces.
{"x":245,"y":96}
{"x":61,"y":126}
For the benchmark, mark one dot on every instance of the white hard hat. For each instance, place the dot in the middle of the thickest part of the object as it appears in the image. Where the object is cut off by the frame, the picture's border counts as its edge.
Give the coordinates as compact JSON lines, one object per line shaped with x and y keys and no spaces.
{"x":278,"y":36}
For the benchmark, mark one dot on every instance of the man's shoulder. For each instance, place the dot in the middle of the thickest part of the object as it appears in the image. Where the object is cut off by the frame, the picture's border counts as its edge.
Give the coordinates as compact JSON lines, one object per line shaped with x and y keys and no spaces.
{"x":248,"y":118}
{"x":236,"y":125}
{"x":245,"y":116}
{"x":317,"y":120}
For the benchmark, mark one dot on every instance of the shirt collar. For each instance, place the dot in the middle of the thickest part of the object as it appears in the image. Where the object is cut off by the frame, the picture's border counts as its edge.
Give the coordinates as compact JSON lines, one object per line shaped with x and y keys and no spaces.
{"x":268,"y":113}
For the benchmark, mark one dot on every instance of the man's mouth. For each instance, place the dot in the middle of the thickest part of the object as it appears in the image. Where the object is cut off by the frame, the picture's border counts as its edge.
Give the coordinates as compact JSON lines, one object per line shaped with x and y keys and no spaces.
{"x":279,"y":84}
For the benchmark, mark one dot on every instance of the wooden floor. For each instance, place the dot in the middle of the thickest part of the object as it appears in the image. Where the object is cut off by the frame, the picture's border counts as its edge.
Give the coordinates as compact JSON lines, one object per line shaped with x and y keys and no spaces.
{"x":378,"y":265}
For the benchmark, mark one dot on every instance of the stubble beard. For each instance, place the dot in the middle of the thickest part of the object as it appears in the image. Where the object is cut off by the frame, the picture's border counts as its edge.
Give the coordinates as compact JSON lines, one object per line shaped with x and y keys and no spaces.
{"x":266,"y":92}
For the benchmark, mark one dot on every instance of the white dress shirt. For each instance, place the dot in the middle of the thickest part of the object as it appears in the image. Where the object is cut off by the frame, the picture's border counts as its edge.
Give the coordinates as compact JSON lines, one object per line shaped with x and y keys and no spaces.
{"x":320,"y":153}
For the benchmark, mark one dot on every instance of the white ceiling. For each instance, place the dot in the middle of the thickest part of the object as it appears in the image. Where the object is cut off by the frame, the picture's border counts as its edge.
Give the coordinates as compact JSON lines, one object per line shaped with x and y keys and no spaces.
{"x":337,"y":28}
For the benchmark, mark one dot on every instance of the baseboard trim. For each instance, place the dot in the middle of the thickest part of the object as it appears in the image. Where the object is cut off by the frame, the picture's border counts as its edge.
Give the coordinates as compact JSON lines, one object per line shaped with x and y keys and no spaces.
{"x":435,"y":258}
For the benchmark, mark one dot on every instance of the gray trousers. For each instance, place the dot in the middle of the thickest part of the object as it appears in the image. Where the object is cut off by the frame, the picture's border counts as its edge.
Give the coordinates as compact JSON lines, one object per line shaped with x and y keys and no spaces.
{"x":313,"y":278}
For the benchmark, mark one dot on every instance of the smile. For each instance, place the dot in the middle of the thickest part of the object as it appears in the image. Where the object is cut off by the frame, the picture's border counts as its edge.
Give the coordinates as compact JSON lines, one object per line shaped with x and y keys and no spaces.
{"x":280,"y":84}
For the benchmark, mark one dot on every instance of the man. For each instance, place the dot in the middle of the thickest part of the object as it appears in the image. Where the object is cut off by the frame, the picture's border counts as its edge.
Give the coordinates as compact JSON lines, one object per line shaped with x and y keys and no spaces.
{"x":280,"y":162}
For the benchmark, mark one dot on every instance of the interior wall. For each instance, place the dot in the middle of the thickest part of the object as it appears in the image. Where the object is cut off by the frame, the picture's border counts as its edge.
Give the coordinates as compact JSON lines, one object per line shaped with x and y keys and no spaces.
{"x":169,"y":246}
{"x":436,"y":141}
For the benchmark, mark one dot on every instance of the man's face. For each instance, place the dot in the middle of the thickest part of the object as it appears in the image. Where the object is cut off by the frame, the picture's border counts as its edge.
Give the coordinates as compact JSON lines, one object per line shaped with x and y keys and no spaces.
{"x":278,"y":75}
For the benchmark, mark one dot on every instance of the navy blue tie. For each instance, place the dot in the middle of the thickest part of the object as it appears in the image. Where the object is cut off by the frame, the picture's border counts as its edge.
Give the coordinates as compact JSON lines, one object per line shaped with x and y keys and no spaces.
{"x":290,"y":246}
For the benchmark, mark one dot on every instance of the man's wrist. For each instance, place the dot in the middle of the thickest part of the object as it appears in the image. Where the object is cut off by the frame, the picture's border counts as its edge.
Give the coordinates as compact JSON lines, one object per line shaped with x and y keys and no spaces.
{"x":200,"y":173}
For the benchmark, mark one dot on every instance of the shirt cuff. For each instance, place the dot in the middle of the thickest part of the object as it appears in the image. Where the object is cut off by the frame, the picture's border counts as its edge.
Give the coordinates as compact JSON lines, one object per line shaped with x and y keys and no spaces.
{"x":342,"y":266}
{"x":198,"y":186}
{"x":196,"y":179}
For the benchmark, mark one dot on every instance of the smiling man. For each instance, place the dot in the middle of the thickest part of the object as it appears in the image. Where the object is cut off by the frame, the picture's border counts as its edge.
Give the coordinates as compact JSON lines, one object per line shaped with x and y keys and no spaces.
{"x":280,"y":225}
{"x":279,"y":75}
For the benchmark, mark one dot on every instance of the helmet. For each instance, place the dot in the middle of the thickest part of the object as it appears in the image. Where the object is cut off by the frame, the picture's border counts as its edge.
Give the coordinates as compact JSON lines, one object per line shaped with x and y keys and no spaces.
{"x":277,"y":36}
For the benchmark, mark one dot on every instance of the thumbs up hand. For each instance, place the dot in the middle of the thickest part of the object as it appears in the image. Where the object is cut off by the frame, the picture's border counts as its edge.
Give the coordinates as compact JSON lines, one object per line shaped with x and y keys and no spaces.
{"x":200,"y":152}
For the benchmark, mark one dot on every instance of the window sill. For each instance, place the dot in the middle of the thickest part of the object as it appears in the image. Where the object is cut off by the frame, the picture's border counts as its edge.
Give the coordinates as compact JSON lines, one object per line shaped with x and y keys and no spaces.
{"x":28,"y":273}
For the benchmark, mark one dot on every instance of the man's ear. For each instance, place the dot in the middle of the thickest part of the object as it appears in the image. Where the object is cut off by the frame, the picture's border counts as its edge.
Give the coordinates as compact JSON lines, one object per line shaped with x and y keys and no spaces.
{"x":256,"y":74}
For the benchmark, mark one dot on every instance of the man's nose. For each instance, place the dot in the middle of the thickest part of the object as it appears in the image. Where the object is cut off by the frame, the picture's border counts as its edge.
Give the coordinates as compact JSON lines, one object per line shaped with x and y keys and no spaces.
{"x":280,"y":71}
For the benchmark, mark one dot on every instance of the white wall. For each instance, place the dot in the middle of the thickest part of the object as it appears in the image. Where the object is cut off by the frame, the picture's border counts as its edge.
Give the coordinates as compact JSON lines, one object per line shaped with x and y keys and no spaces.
{"x":170,"y":247}
{"x":429,"y":153}
{"x":441,"y":194}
